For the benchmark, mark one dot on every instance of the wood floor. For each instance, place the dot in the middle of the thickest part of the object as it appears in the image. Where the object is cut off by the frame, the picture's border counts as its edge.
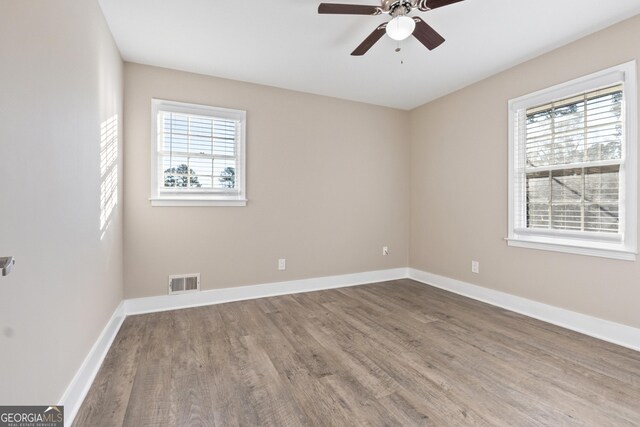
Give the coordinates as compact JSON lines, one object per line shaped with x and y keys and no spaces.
{"x":394,"y":353}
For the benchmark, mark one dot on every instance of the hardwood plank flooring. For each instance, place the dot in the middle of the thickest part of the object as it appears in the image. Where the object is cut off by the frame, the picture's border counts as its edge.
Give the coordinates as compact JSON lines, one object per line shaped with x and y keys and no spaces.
{"x":393,"y":353}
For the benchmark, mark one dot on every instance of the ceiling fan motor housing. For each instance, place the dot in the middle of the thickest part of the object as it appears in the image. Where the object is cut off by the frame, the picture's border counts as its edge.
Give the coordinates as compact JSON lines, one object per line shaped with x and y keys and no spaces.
{"x":397,"y":7}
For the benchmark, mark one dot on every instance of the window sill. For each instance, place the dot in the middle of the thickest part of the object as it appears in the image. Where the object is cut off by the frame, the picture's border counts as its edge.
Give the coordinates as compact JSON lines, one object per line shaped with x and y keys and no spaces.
{"x":602,"y":250}
{"x":197,"y":202}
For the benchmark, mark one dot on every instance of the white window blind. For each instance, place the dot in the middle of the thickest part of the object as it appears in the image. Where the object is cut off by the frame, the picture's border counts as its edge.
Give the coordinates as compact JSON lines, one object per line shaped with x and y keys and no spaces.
{"x":573,"y":151}
{"x":197,"y":155}
{"x":572,"y":166}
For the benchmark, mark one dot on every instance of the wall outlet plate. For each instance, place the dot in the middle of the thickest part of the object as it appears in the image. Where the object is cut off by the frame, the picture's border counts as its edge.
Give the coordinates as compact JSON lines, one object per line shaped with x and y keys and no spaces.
{"x":475,"y":267}
{"x":282,"y":264}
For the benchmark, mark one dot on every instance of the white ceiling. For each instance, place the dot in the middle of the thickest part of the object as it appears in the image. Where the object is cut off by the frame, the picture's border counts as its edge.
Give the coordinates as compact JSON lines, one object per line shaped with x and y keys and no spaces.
{"x":286,"y":44}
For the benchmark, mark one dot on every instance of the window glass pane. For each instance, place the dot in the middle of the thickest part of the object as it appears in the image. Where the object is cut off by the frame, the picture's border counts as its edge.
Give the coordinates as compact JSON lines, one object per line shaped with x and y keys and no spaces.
{"x":538,"y":189}
{"x":201,"y":126}
{"x":178,"y":143}
{"x":538,"y":215}
{"x":201,"y":169}
{"x":201,"y":166}
{"x":179,"y":124}
{"x":566,"y":198}
{"x":200,"y":145}
{"x":569,"y":117}
{"x":224,"y":171}
{"x":539,"y":137}
{"x":602,"y":187}
{"x":566,"y":185}
{"x":205,"y":181}
{"x":603,"y":110}
{"x":602,"y":184}
{"x":224,"y":137}
{"x":602,"y":217}
{"x":175,"y":164}
{"x":569,"y":148}
{"x":604,"y":143}
{"x":177,"y":174}
{"x":538,"y":193}
{"x":566,"y":216}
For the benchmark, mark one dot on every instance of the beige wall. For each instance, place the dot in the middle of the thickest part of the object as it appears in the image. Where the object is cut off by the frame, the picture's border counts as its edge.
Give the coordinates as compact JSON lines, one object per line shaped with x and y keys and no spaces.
{"x":327,"y":183}
{"x":459,"y":189}
{"x":60,"y":78}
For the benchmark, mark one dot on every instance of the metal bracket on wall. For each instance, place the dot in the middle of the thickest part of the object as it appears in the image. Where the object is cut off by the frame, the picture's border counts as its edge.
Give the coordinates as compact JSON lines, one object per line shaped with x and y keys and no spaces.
{"x":6,"y":264}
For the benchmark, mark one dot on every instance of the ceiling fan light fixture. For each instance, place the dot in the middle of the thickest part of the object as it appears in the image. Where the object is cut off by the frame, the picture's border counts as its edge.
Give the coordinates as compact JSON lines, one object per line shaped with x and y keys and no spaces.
{"x":401,"y":27}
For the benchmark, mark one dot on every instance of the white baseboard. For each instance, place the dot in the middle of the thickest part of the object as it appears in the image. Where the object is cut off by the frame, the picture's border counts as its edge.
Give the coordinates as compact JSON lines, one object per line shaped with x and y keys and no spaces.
{"x":606,"y":330}
{"x":219,"y":296}
{"x":81,"y":382}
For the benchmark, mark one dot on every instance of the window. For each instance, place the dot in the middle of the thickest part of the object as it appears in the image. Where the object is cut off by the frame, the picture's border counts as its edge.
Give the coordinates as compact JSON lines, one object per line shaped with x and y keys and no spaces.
{"x":198,"y":155}
{"x":572,"y":166}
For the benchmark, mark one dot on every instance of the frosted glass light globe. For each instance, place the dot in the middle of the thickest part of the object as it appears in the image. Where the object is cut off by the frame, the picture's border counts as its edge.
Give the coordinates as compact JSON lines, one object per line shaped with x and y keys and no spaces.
{"x":400,"y":27}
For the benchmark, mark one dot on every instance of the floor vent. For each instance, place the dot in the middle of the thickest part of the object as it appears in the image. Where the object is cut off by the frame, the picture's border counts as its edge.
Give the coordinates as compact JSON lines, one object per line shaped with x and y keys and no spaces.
{"x":181,"y":283}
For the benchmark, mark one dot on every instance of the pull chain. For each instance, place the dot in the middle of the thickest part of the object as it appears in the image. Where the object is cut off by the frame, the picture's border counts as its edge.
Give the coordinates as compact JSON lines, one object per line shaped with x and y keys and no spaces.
{"x":399,"y":50}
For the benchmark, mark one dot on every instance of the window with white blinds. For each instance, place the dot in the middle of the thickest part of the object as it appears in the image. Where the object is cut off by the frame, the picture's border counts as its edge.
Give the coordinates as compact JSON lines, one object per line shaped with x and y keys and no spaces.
{"x":573,"y":150}
{"x":198,"y":155}
{"x":573,"y":166}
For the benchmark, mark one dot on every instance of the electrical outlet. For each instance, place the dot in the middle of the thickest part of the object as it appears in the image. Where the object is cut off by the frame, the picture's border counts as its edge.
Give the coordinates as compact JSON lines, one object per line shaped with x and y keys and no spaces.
{"x":475,"y":267}
{"x":282,"y":264}
{"x":385,"y":250}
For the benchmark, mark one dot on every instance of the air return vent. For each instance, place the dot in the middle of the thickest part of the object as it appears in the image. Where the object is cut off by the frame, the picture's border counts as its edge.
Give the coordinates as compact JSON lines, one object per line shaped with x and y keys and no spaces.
{"x":181,"y":283}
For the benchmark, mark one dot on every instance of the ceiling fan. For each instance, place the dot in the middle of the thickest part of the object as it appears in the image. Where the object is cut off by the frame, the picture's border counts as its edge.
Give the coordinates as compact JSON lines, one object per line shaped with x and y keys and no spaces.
{"x":401,"y":25}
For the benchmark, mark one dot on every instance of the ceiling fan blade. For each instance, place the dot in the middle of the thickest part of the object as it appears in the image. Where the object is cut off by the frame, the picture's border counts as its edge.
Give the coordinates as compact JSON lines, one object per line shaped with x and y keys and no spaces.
{"x":370,"y":41}
{"x":425,"y":5}
{"x":348,"y":9}
{"x":427,"y":35}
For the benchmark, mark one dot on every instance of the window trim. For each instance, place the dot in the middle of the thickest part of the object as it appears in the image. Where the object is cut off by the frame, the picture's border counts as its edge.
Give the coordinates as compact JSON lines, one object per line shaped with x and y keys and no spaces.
{"x":622,"y":246}
{"x":199,"y":197}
